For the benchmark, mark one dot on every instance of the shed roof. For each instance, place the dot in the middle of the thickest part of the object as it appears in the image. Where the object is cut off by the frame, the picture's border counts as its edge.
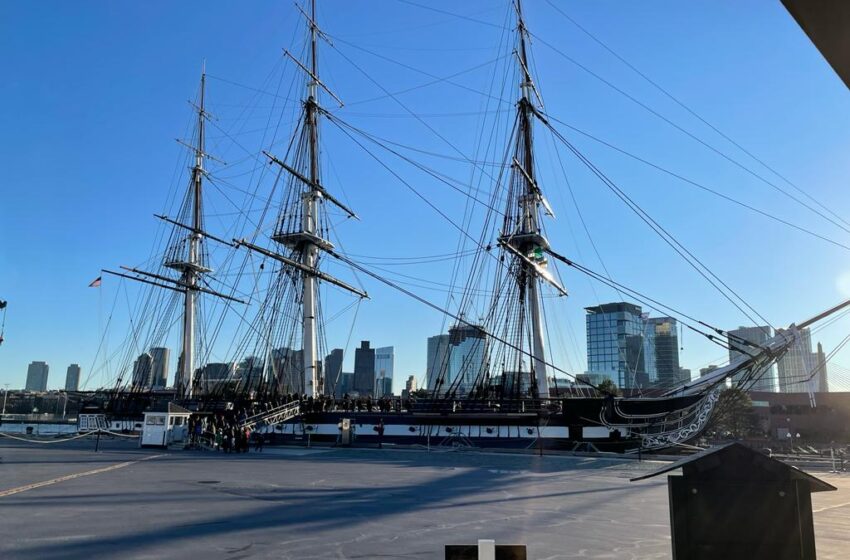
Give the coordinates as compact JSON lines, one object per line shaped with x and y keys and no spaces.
{"x":738,"y":463}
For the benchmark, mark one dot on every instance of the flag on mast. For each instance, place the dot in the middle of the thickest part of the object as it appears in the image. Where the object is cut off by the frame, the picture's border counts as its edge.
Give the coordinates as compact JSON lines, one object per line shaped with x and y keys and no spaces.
{"x":95,"y":283}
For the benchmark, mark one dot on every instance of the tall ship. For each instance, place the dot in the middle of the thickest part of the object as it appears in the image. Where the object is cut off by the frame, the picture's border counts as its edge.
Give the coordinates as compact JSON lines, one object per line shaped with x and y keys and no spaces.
{"x":494,"y":380}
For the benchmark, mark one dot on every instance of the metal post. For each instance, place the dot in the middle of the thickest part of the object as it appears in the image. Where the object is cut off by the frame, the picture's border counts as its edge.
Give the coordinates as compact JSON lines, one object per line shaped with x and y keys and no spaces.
{"x":5,"y":395}
{"x":97,"y":441}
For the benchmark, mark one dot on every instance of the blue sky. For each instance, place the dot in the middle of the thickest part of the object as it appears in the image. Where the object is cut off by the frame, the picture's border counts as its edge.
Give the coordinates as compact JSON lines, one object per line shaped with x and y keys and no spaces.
{"x":94,"y":94}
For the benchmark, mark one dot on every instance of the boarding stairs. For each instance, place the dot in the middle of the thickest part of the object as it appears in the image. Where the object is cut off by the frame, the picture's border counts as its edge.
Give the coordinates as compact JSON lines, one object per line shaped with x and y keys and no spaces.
{"x":276,"y":415}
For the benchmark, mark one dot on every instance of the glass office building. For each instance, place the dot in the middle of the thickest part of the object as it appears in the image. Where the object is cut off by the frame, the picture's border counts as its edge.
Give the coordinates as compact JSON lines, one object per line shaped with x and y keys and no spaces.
{"x":615,"y":344}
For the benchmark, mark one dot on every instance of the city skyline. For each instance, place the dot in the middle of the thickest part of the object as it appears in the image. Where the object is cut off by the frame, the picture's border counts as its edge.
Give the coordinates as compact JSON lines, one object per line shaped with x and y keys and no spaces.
{"x":809,"y":143}
{"x":646,"y":355}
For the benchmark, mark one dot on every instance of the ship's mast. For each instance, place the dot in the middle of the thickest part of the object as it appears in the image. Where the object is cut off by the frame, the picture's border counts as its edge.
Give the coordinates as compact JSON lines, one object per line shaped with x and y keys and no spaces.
{"x":192,"y":268}
{"x":307,"y":242}
{"x":311,"y":251}
{"x":530,"y":241}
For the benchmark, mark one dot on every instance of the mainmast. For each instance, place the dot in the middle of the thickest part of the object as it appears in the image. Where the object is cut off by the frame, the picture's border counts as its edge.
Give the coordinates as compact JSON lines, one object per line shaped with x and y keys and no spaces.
{"x":524,"y":237}
{"x":304,"y":239}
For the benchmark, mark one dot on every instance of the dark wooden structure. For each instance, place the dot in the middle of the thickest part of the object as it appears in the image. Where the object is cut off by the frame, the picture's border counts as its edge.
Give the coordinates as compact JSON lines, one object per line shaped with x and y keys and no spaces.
{"x":733,"y":503}
{"x":470,"y":552}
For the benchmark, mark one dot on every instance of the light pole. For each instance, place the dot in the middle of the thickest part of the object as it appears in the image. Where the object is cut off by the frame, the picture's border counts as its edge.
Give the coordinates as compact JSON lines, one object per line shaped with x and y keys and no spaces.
{"x":5,"y":395}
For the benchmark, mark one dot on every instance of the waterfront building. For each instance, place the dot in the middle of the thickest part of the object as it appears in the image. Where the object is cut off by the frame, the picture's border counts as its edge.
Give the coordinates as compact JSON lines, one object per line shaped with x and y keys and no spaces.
{"x":215,"y":373}
{"x":755,"y":335}
{"x":466,"y":357}
{"x":72,"y":378}
{"x":797,"y":365}
{"x":346,"y":383}
{"x":250,"y":372}
{"x":37,"y":376}
{"x":707,"y":369}
{"x":364,"y":369}
{"x":333,"y":373}
{"x":821,"y":379}
{"x":410,"y":384}
{"x":437,"y":361}
{"x":159,"y":368}
{"x":615,"y":345}
{"x":661,"y":351}
{"x":384,"y":363}
{"x":142,"y":371}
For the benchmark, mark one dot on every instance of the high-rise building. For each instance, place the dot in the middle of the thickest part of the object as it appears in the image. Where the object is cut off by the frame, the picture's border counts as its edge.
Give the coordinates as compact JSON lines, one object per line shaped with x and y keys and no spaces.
{"x":437,"y":364}
{"x":72,"y":378}
{"x":410,"y":384}
{"x":287,"y":370}
{"x":178,"y":375}
{"x":250,"y":372}
{"x":384,"y":359}
{"x":37,"y":376}
{"x":766,"y":378}
{"x":346,"y":383}
{"x":333,"y":373}
{"x":214,"y":373}
{"x":364,"y":369}
{"x":142,"y":371}
{"x":821,"y":378}
{"x":707,"y":369}
{"x":615,"y":345}
{"x":467,"y":357}
{"x":797,"y":365}
{"x":661,"y":351}
{"x":159,"y":367}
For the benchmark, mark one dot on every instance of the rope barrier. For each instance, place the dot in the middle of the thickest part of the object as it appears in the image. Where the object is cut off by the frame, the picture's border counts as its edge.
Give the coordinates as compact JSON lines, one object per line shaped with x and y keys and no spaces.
{"x":78,"y":436}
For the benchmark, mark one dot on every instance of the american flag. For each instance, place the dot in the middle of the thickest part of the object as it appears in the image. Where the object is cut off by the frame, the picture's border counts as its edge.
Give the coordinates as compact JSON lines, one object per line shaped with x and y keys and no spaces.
{"x":95,"y":283}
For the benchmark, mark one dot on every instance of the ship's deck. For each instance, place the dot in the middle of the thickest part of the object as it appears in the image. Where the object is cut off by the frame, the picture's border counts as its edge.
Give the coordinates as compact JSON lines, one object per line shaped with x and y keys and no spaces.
{"x":338,"y":503}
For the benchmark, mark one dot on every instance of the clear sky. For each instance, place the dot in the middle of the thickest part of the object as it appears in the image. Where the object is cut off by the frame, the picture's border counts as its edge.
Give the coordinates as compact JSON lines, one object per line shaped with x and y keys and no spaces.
{"x":94,"y":94}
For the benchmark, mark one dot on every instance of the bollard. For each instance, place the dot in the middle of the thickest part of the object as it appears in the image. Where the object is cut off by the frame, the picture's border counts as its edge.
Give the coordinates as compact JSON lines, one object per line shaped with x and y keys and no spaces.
{"x":486,"y":549}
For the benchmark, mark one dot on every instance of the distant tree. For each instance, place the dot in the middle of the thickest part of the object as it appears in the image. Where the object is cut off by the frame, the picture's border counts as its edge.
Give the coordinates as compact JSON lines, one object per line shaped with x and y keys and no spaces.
{"x":608,"y":387}
{"x":734,"y":415}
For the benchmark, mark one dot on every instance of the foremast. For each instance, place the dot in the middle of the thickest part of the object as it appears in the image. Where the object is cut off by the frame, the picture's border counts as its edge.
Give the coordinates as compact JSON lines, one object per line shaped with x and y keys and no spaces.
{"x":190,"y":262}
{"x":522,"y":234}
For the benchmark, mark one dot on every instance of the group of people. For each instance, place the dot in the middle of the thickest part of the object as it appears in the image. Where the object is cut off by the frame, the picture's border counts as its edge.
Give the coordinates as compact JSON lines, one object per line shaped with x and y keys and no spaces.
{"x":225,"y":432}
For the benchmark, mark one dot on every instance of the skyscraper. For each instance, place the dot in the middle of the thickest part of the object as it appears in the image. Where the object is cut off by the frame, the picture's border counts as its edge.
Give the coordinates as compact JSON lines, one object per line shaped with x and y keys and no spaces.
{"x":142,"y":371}
{"x":821,"y":378}
{"x":287,"y":370}
{"x":250,"y":372}
{"x":72,"y":378}
{"x":410,"y":385}
{"x":438,"y":360}
{"x":797,"y":365}
{"x":467,"y":357}
{"x":159,"y":367}
{"x":213,"y":374}
{"x":384,"y":358}
{"x":662,"y":351}
{"x":333,"y":373}
{"x":364,"y":369}
{"x":37,"y":376}
{"x":615,"y":345}
{"x":755,"y":335}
